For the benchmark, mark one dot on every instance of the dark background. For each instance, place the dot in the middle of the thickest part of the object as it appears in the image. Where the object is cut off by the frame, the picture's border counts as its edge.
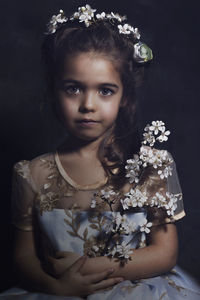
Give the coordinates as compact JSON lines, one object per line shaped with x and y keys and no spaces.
{"x":171,"y":93}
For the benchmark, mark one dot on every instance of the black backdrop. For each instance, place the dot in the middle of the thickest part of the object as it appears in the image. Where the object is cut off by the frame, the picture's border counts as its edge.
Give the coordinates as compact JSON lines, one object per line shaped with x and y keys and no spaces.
{"x":170,"y":93}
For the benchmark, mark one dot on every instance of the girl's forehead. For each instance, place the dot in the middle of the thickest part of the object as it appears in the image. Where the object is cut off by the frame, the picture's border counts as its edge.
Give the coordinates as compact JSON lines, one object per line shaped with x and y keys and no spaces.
{"x":90,"y":65}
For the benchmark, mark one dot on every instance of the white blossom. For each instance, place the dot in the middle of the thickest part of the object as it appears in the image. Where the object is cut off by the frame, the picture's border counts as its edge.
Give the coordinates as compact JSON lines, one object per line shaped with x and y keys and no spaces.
{"x":93,"y":203}
{"x":149,"y":138}
{"x":146,"y":155}
{"x":95,"y":248}
{"x":106,"y":194}
{"x":117,"y":220}
{"x":125,"y":29}
{"x":163,"y":137}
{"x":116,"y":16}
{"x":128,"y":227}
{"x":55,"y":19}
{"x":165,"y":173}
{"x":157,"y":126}
{"x":136,"y":33}
{"x":133,"y":168}
{"x":172,"y":204}
{"x":145,"y":225}
{"x":134,"y":198}
{"x":101,"y":16}
{"x":142,"y":240}
{"x":123,"y":250}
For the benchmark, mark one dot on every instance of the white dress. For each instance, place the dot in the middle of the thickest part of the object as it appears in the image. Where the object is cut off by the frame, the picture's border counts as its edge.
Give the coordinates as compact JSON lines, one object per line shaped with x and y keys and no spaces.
{"x":44,"y":194}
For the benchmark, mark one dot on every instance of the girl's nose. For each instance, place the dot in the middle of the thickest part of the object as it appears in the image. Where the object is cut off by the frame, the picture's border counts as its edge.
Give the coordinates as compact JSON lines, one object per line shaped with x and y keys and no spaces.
{"x":87,"y":102}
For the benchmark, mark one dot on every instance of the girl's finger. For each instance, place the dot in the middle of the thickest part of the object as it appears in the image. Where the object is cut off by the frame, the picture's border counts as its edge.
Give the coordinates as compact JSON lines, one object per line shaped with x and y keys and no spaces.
{"x":107,"y":283}
{"x":77,"y":265}
{"x":94,"y":278}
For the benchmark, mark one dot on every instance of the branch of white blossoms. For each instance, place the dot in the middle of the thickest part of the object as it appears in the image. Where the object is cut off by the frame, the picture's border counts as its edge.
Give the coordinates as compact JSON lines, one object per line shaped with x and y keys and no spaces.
{"x":148,"y":156}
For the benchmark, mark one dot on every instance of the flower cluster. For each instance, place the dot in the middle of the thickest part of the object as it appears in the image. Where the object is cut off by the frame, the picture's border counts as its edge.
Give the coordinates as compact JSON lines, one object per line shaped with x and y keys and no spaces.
{"x":151,"y":131}
{"x":148,"y":156}
{"x":55,"y":21}
{"x":169,"y":202}
{"x":87,"y":15}
{"x":134,"y":198}
{"x":84,"y":14}
{"x":120,"y":223}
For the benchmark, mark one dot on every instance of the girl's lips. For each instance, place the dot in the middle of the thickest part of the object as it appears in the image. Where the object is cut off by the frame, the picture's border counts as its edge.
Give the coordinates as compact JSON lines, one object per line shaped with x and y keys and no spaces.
{"x":87,"y":122}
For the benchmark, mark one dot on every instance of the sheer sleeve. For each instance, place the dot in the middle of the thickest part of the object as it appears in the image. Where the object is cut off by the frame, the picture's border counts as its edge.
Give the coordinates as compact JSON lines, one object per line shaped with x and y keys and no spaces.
{"x":165,"y":199}
{"x":173,"y":187}
{"x":22,"y":196}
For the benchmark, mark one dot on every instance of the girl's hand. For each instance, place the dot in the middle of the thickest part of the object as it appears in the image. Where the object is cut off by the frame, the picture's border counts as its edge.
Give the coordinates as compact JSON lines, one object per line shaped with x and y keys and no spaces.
{"x":73,"y":283}
{"x":57,"y":265}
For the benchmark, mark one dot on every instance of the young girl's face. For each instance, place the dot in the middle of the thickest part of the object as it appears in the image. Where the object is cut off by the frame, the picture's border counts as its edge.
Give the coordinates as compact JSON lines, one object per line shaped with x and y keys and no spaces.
{"x":89,"y":95}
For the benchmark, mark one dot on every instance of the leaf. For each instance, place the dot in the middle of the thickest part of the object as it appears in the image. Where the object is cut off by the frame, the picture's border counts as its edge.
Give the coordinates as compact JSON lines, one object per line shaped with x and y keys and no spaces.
{"x":78,"y":226}
{"x":93,"y":226}
{"x":68,"y":213}
{"x":68,"y":222}
{"x":85,"y":233}
{"x":72,"y":233}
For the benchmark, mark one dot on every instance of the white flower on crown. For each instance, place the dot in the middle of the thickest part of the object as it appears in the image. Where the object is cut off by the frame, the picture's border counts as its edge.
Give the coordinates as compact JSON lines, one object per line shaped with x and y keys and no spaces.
{"x":55,"y":20}
{"x":115,"y":16}
{"x":101,"y":16}
{"x":136,"y":33}
{"x":84,"y":14}
{"x":125,"y":29}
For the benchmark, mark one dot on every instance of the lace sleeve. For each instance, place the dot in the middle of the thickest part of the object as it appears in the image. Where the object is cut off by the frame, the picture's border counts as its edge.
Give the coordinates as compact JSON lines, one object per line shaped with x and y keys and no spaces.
{"x":22,"y":196}
{"x":165,"y":199}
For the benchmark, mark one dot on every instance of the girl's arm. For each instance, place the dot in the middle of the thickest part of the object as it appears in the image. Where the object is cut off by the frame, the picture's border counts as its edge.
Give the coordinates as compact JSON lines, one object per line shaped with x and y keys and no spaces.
{"x":71,"y":283}
{"x":158,"y":257}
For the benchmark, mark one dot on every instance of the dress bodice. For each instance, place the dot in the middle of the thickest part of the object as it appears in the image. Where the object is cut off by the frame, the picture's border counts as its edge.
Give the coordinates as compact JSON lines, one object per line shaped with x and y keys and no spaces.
{"x":83,"y":232}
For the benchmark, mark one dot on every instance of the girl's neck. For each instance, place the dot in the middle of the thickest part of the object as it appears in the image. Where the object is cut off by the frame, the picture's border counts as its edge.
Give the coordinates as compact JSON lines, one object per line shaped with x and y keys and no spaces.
{"x":79,"y":147}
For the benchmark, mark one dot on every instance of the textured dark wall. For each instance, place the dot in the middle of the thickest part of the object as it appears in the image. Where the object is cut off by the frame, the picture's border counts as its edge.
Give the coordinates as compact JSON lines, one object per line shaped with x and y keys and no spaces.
{"x":171,"y":93}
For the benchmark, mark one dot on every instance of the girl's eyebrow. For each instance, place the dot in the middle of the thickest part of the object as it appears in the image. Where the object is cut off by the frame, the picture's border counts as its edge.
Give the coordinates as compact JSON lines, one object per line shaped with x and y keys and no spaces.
{"x":82,"y":84}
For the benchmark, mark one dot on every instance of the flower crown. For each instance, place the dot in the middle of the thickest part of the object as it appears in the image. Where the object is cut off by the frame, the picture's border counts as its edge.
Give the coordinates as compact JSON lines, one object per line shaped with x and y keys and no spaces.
{"x":86,"y":15}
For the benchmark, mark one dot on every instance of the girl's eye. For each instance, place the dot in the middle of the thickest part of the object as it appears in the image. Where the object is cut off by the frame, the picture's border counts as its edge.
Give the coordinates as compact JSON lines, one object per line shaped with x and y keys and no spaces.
{"x":72,"y":90}
{"x":106,"y":92}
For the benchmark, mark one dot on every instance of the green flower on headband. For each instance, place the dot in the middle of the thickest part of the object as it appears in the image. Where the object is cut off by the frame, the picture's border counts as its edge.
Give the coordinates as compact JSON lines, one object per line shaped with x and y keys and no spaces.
{"x":142,"y":53}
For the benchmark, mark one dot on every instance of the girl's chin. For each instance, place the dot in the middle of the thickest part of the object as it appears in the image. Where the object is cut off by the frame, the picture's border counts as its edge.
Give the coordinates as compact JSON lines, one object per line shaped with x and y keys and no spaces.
{"x":86,"y":137}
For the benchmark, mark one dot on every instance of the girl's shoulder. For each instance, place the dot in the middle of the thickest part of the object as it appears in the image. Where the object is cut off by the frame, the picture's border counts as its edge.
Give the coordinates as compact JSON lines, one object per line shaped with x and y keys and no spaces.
{"x":22,"y":166}
{"x":35,"y":169}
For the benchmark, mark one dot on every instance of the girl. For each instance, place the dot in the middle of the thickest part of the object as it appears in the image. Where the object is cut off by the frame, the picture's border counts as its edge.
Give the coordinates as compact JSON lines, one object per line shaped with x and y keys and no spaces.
{"x":96,"y":218}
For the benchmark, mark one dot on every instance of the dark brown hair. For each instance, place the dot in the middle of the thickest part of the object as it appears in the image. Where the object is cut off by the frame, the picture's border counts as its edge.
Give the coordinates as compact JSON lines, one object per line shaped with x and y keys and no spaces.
{"x":102,"y":37}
